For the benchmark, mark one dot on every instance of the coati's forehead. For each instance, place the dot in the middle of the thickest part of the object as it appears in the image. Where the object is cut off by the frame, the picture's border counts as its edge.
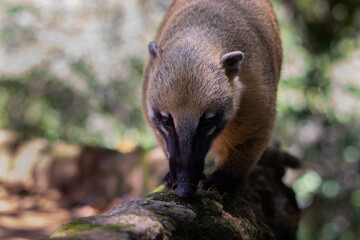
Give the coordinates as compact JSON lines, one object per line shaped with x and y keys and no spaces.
{"x":184,"y":82}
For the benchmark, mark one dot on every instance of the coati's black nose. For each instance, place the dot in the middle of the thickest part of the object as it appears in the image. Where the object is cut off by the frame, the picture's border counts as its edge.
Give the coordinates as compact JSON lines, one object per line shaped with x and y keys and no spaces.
{"x":184,"y":190}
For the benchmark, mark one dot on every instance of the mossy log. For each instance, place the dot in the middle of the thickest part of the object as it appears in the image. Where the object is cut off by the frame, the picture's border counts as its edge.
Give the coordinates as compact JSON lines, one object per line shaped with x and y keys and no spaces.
{"x":265,"y":208}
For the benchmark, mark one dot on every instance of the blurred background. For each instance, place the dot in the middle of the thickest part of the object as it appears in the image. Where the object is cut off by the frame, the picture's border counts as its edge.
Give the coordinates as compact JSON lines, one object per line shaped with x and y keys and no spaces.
{"x":73,"y":141}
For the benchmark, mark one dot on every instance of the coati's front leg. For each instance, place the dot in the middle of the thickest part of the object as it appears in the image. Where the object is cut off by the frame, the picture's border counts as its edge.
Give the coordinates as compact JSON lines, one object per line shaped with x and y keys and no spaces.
{"x":235,"y":163}
{"x":228,"y":176}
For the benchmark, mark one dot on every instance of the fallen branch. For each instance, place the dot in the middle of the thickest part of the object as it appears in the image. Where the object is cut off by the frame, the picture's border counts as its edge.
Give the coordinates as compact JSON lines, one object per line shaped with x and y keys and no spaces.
{"x":265,"y":208}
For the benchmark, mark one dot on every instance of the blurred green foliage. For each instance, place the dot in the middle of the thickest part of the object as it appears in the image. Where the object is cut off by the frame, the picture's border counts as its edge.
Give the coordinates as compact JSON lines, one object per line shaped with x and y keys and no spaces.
{"x":317,"y":36}
{"x":39,"y":104}
{"x":12,"y":34}
{"x":324,"y":33}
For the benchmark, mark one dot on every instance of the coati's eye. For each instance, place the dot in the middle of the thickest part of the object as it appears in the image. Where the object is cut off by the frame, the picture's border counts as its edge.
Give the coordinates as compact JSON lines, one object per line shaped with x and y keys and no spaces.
{"x":208,"y":120}
{"x":165,"y":119}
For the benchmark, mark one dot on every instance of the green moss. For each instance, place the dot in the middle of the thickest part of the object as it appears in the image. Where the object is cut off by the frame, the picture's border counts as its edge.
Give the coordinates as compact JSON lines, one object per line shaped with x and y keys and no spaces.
{"x":175,"y":209}
{"x":208,"y":227}
{"x":212,"y":207}
{"x":211,"y":227}
{"x":74,"y":227}
{"x":166,"y":197}
{"x":210,"y":195}
{"x":160,"y":188}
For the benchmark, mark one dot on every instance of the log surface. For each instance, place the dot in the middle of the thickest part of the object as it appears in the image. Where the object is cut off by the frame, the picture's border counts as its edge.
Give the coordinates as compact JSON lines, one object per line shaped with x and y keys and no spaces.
{"x":265,"y":208}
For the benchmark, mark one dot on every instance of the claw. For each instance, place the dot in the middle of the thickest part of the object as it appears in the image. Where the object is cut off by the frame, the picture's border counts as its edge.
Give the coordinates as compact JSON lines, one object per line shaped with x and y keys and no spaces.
{"x":212,"y":188}
{"x":208,"y":185}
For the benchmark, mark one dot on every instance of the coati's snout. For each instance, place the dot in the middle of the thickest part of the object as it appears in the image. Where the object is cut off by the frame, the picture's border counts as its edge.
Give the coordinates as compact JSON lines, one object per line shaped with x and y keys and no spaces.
{"x":186,"y":159}
{"x":185,"y":186}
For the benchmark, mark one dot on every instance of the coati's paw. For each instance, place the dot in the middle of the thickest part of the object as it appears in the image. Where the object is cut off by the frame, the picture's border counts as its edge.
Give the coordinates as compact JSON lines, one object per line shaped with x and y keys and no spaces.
{"x":208,"y":185}
{"x":223,"y":183}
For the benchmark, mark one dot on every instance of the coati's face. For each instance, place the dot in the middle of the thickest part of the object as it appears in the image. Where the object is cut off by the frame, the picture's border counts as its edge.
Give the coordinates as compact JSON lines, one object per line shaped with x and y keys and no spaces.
{"x":189,"y":103}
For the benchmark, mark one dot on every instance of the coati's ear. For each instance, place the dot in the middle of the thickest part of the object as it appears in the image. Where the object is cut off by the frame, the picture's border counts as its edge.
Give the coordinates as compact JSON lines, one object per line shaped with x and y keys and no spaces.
{"x":231,"y":62}
{"x":154,"y":50}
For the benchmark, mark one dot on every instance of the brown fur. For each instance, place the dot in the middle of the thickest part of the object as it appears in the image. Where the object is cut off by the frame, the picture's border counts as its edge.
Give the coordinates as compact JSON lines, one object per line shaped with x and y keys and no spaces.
{"x":187,"y":79}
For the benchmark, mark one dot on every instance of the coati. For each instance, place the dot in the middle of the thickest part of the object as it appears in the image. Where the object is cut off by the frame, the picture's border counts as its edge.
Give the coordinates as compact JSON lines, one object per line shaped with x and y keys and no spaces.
{"x":210,"y":84}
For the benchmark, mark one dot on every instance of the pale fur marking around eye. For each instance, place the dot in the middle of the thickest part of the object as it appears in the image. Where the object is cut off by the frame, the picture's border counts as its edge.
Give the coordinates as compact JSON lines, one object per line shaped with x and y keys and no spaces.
{"x":164,"y":143}
{"x":164,"y":114}
{"x":209,"y":115}
{"x":164,"y":130}
{"x":211,"y":131}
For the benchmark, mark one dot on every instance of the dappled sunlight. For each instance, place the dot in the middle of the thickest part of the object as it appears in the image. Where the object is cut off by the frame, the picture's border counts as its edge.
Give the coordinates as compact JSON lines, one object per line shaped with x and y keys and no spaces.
{"x":346,"y":85}
{"x":126,"y":145}
{"x":294,"y":64}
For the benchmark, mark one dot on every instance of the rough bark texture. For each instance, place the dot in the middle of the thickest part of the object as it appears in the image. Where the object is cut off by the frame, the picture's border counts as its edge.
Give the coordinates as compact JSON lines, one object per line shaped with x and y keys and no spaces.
{"x":264,"y":209}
